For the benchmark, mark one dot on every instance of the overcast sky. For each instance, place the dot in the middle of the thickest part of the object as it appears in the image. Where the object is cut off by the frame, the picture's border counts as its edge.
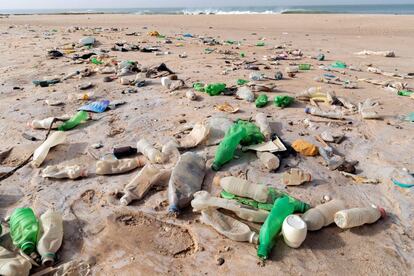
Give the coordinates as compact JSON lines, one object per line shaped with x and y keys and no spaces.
{"x":71,"y":4}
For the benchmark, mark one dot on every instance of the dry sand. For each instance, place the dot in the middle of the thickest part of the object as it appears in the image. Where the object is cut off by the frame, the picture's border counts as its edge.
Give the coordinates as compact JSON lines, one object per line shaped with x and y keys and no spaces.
{"x":140,"y":239}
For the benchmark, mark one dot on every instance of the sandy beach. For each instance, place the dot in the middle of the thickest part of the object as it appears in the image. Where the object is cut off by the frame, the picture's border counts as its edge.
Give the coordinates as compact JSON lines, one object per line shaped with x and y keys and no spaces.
{"x":141,"y":239}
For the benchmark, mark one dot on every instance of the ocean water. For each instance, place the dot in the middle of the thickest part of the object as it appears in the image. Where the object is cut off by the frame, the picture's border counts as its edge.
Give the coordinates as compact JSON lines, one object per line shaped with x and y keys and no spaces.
{"x":325,"y":9}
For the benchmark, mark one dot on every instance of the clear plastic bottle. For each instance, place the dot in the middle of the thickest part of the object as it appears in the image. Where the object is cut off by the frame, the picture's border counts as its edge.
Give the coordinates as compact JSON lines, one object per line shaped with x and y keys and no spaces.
{"x":41,"y":152}
{"x":153,"y":155}
{"x":268,"y":159}
{"x":12,"y":264}
{"x":203,"y":200}
{"x":295,"y":177}
{"x":358,"y":216}
{"x":263,"y":123}
{"x":148,"y":176}
{"x":42,"y":124}
{"x":71,"y":172}
{"x":294,"y":231}
{"x":51,"y":225}
{"x":228,"y":226}
{"x":322,"y":215}
{"x":186,"y":179}
{"x":331,"y":114}
{"x":117,"y":166}
{"x":245,"y":93}
{"x":244,"y":188}
{"x":292,"y":69}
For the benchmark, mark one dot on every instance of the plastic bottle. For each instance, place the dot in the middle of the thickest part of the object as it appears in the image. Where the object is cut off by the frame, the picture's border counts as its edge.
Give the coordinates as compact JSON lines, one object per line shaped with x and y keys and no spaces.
{"x":106,"y":167}
{"x":261,"y":100}
{"x":322,"y":215}
{"x":294,"y":231}
{"x":42,"y":124}
{"x":203,"y":200}
{"x":295,"y":177}
{"x":406,"y":93}
{"x":256,"y":76}
{"x":12,"y":264}
{"x":79,"y":117}
{"x":24,"y":229}
{"x":263,"y":123}
{"x":273,"y":225}
{"x":402,"y":178}
{"x":41,"y":152}
{"x":244,"y":188}
{"x":228,"y":226}
{"x":197,"y":135}
{"x":268,"y":159}
{"x":71,"y":172}
{"x":198,"y":86}
{"x":244,"y":93}
{"x":191,"y":95}
{"x":148,"y":176}
{"x":186,"y":179}
{"x":228,"y":146}
{"x":283,"y":101}
{"x":153,"y":155}
{"x":320,"y":113}
{"x":358,"y":216}
{"x":304,"y":66}
{"x":51,"y":224}
{"x":215,"y":89}
{"x":292,"y":69}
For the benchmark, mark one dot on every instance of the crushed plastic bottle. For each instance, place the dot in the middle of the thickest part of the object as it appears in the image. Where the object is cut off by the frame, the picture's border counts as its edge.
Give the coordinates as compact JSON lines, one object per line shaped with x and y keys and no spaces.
{"x":283,"y":101}
{"x":153,"y":155}
{"x":261,"y":100}
{"x":244,"y":188}
{"x":118,"y":166}
{"x":51,"y":225}
{"x":12,"y":264}
{"x":215,"y":89}
{"x":42,"y":124}
{"x":186,"y":179}
{"x":331,"y":115}
{"x":24,"y":229}
{"x":59,"y":171}
{"x":322,"y":215}
{"x":41,"y":152}
{"x":358,"y":216}
{"x":228,"y":226}
{"x":245,"y":93}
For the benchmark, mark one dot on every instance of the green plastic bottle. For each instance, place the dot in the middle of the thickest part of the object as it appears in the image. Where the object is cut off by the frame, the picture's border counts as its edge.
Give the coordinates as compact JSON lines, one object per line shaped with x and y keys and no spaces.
{"x":338,"y":64}
{"x":253,"y":134}
{"x":228,"y":146}
{"x":242,"y":82}
{"x":96,"y":61}
{"x":283,"y":101}
{"x":273,"y":225}
{"x":24,"y":228}
{"x":262,"y":100}
{"x":304,"y":66}
{"x":260,"y":44}
{"x":198,"y":86}
{"x":406,"y":93}
{"x":215,"y":89}
{"x":78,"y":118}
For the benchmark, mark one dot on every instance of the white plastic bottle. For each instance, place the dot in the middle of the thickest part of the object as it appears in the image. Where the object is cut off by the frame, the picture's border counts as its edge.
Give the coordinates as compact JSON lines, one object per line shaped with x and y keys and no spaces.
{"x":42,"y":124}
{"x":148,"y":176}
{"x":41,"y":152}
{"x":71,"y":172}
{"x":358,"y":216}
{"x":263,"y":123}
{"x":244,"y":188}
{"x":331,"y":114}
{"x":228,"y":226}
{"x":322,"y":215}
{"x":268,"y":159}
{"x":51,"y":224}
{"x":294,"y":231}
{"x":117,"y":166}
{"x":12,"y":264}
{"x":153,"y":155}
{"x":203,"y":200}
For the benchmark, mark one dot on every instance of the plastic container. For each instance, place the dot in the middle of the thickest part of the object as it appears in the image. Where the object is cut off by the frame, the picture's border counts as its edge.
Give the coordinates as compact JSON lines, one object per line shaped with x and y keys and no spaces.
{"x":41,"y":152}
{"x":324,"y":114}
{"x":13,"y":264}
{"x":228,"y":226}
{"x":114,"y":166}
{"x":295,"y":177}
{"x":322,"y":215}
{"x":139,"y":185}
{"x":24,"y":229}
{"x":153,"y":155}
{"x":269,"y":160}
{"x":261,"y":100}
{"x":244,"y":188}
{"x":294,"y":231}
{"x":203,"y":200}
{"x":51,"y":225}
{"x":77,"y":119}
{"x":358,"y":216}
{"x":186,"y":179}
{"x":273,"y":225}
{"x":71,"y":172}
{"x":263,"y":123}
